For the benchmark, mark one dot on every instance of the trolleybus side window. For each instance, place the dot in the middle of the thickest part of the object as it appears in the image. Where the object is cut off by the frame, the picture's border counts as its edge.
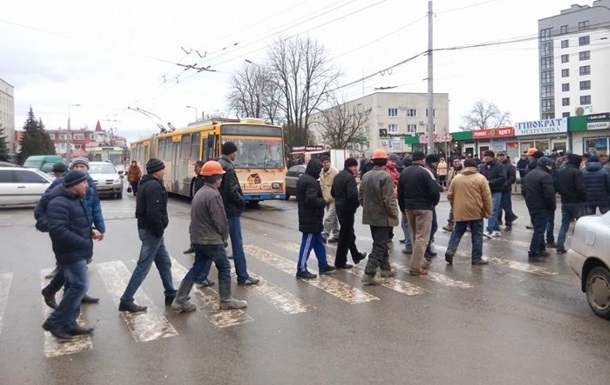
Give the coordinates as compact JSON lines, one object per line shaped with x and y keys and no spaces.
{"x":195,"y":147}
{"x":186,"y":147}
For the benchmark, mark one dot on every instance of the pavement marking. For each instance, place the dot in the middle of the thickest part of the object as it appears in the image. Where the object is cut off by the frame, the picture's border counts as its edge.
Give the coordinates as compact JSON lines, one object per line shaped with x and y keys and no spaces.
{"x":281,"y":299}
{"x":400,"y":286}
{"x":210,"y":299}
{"x":512,"y":242}
{"x":146,"y":326}
{"x":520,"y":266}
{"x":432,"y":276}
{"x":332,"y":286}
{"x":5,"y":286}
{"x":435,"y":277}
{"x":52,"y":346}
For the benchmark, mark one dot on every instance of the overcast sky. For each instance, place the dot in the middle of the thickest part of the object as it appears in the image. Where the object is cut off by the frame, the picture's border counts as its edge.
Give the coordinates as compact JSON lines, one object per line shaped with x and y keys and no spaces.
{"x":111,"y":55}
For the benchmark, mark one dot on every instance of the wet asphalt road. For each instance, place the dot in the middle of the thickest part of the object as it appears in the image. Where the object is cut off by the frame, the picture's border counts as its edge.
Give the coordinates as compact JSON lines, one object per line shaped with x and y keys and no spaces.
{"x":506,"y":323}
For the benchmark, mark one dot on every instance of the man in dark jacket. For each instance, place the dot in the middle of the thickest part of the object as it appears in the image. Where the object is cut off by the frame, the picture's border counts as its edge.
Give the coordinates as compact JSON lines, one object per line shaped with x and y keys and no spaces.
{"x":72,"y":237}
{"x":209,"y":230}
{"x":345,"y":192}
{"x":151,"y":212}
{"x":495,"y":173}
{"x":539,"y":192}
{"x":597,"y":182}
{"x":234,"y":203}
{"x":418,"y":194}
{"x":380,"y":213}
{"x":506,"y":202}
{"x":522,"y":165}
{"x":311,"y":217}
{"x":198,"y":183}
{"x":571,"y":187}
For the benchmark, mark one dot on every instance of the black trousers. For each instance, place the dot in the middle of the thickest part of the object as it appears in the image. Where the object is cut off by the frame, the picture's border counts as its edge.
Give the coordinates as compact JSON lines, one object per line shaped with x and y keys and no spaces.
{"x":347,"y":238}
{"x":379,"y":256}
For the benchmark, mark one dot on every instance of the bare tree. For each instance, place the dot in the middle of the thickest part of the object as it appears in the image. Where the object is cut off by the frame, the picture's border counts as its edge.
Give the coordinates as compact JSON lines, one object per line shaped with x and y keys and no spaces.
{"x":485,"y":115}
{"x":303,"y":74}
{"x":343,"y":124}
{"x":254,"y":93}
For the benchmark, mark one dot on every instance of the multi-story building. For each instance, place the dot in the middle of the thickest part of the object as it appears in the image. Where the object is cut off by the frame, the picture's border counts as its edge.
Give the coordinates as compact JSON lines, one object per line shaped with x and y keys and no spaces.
{"x":392,"y":117}
{"x":574,"y":61}
{"x":7,"y":113}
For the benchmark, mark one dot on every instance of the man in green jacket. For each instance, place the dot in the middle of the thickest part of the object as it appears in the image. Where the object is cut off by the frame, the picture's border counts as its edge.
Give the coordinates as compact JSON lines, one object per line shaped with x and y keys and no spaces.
{"x":380,"y":212}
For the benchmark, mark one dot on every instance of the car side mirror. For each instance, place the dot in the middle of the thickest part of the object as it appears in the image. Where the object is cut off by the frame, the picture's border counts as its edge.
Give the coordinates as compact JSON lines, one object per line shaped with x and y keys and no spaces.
{"x":121,"y":173}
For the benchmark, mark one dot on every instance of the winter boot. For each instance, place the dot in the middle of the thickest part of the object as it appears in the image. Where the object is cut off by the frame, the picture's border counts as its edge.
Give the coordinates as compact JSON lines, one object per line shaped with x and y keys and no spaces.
{"x":181,"y":302}
{"x":226,"y":301}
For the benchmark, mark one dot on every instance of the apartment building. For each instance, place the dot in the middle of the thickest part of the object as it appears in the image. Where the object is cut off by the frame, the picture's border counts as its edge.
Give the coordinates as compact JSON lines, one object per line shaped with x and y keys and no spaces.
{"x":393,"y":118}
{"x":574,"y":61}
{"x":7,"y":113}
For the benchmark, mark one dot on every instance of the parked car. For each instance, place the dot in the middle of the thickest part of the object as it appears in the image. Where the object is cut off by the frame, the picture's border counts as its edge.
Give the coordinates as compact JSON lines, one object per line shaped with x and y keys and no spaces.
{"x":8,"y":164}
{"x":292,"y":176}
{"x":107,"y":179}
{"x":20,"y":186}
{"x":589,"y":257}
{"x":43,"y":163}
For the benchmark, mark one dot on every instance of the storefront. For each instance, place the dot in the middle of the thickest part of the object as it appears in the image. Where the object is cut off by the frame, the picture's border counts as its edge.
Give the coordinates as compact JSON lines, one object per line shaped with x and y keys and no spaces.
{"x":442,"y":143}
{"x":543,"y":135}
{"x":476,"y":142}
{"x":590,"y":133}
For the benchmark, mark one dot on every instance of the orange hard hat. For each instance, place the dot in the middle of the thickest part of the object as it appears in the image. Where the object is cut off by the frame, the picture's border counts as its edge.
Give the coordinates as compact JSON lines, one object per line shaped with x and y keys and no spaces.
{"x":211,"y":168}
{"x":379,"y":154}
{"x":531,"y":151}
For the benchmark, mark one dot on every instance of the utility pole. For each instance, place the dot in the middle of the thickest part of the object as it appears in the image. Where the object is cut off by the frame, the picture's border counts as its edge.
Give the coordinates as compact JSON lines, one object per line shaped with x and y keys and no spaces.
{"x":430,"y":83}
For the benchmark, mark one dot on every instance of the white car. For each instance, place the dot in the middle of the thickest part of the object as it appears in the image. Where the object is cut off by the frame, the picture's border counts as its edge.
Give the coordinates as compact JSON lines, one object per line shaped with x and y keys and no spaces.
{"x":107,"y":179}
{"x":22,"y":186}
{"x":589,"y":257}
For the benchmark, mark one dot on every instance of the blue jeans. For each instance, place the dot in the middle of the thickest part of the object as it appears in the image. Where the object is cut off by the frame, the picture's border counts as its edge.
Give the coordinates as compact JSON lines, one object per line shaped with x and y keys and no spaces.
{"x":492,"y":222}
{"x":569,"y":212}
{"x":237,"y":244}
{"x":476,"y":234}
{"x":404,"y":222}
{"x":506,"y":204}
{"x":76,"y":282}
{"x":204,"y":256}
{"x":152,"y":250}
{"x":540,"y":220}
{"x":312,"y":241}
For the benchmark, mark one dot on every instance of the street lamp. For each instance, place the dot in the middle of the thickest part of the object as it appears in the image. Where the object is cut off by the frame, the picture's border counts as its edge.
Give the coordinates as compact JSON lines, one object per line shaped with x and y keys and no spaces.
{"x":196,"y":112}
{"x":69,"y":143}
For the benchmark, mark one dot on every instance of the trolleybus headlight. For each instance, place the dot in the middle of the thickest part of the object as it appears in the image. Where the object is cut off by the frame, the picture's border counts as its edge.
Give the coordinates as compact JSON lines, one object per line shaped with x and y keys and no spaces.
{"x":276,"y":185}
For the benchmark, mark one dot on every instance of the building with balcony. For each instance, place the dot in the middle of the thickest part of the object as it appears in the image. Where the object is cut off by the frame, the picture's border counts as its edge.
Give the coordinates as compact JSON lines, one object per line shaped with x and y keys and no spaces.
{"x":574,"y":61}
{"x":395,"y":121}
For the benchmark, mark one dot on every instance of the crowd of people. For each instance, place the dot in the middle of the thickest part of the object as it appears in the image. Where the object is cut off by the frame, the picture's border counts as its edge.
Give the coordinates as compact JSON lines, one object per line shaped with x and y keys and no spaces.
{"x":391,"y":191}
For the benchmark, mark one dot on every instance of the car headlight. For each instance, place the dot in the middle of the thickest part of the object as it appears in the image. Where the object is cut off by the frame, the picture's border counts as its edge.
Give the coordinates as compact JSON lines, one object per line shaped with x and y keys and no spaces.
{"x":276,"y":185}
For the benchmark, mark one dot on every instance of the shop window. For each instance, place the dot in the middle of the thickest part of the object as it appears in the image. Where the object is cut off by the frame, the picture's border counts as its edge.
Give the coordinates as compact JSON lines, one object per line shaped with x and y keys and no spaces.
{"x":596,"y":145}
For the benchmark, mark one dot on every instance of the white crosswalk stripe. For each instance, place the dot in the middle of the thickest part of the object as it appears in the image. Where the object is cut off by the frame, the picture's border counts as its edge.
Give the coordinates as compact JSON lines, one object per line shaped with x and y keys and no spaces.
{"x":515,"y":265}
{"x":332,"y":286}
{"x":5,"y":287}
{"x":432,"y":276}
{"x":54,"y":347}
{"x":145,"y":326}
{"x":210,"y":299}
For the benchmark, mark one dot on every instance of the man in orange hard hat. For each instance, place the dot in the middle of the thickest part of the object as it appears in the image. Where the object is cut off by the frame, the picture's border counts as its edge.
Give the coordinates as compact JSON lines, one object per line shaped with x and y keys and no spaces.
{"x":380,"y":212}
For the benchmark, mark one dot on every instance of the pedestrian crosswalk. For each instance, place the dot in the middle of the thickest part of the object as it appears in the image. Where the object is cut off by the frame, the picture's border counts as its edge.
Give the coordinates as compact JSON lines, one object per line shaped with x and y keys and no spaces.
{"x":273,"y":263}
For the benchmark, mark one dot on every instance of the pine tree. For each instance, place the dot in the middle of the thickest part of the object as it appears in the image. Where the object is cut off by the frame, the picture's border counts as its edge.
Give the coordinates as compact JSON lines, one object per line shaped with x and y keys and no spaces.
{"x":35,"y":140}
{"x":4,"y":150}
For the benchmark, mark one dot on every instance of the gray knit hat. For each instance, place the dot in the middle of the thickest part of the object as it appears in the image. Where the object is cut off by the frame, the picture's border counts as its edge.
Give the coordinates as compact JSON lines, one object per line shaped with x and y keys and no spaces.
{"x":80,"y":160}
{"x":154,"y":165}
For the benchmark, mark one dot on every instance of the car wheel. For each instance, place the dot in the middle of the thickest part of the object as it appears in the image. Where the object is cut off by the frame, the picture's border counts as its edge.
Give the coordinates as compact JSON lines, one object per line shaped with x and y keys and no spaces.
{"x":598,"y":291}
{"x":119,"y":195}
{"x":287,"y":197}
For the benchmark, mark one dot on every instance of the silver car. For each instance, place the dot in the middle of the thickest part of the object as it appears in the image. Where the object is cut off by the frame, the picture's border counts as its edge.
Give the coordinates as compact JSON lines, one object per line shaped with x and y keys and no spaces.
{"x":21,"y":186}
{"x":589,"y":257}
{"x":107,"y":179}
{"x":292,"y":176}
